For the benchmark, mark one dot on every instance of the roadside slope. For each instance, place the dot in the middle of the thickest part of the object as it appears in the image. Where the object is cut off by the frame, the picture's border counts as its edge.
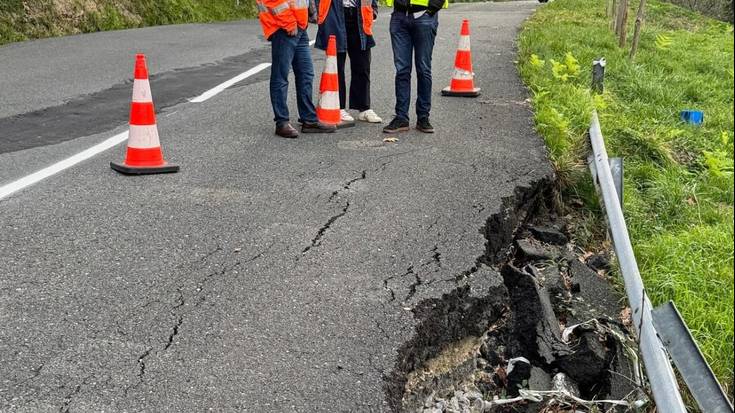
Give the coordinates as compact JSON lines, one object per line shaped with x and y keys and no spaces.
{"x":34,"y":19}
{"x":678,"y":178}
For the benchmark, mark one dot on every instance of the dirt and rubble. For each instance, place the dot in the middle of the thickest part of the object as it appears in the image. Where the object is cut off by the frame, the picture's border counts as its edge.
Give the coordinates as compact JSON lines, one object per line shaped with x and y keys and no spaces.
{"x":537,"y":326}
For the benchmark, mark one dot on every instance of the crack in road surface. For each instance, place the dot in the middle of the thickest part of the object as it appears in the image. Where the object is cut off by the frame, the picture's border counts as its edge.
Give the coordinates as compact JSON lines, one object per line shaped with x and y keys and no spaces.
{"x":181,"y":302}
{"x":179,"y":319}
{"x":318,"y":237}
{"x":69,"y":398}
{"x":317,"y":240}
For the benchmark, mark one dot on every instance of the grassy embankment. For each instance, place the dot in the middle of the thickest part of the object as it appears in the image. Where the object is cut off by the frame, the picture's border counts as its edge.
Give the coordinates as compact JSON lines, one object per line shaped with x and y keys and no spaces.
{"x":678,"y":178}
{"x":33,"y":19}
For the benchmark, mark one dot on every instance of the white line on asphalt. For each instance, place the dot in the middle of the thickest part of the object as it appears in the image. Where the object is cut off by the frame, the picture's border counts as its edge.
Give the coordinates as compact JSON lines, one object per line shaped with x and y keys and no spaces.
{"x":221,"y":88}
{"x":36,"y":177}
{"x":237,"y":79}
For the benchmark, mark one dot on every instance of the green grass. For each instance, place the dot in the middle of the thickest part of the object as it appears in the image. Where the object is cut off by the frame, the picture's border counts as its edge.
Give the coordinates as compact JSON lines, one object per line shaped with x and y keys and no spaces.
{"x":679,"y":178}
{"x":33,"y":19}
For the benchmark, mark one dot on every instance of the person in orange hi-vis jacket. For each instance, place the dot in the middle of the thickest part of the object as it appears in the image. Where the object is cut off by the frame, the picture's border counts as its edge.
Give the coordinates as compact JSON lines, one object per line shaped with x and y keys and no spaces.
{"x":284,"y":24}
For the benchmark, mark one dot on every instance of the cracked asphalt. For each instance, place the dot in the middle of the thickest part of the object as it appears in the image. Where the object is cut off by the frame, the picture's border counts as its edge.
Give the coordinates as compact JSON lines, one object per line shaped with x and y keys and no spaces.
{"x":268,"y":275}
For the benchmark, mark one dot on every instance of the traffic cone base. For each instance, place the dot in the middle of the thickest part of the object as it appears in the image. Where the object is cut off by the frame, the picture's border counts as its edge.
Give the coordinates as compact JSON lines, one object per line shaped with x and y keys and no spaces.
{"x":144,"y":155}
{"x":475,"y":92}
{"x":345,"y":124}
{"x":341,"y":125}
{"x":166,"y":168}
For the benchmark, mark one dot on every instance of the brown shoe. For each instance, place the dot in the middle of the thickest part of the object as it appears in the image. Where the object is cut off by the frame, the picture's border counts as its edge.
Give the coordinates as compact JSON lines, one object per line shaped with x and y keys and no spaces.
{"x":287,"y":131}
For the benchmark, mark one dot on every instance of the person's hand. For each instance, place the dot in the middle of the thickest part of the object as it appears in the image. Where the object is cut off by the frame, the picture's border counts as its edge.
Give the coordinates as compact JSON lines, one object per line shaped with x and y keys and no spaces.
{"x":293,"y":32}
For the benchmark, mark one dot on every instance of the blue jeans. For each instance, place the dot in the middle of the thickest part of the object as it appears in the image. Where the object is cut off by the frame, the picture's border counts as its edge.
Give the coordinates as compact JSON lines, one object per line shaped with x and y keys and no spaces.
{"x":409,"y":35}
{"x":293,"y":52}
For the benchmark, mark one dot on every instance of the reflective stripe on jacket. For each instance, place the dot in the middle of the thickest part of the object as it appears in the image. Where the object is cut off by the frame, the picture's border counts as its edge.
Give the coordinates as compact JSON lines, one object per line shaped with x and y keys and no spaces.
{"x":424,"y":3}
{"x":332,"y":22}
{"x":288,"y":15}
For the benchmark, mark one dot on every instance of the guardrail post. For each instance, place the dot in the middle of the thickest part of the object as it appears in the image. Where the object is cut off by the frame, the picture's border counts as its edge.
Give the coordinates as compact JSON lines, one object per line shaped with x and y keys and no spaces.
{"x":598,"y":75}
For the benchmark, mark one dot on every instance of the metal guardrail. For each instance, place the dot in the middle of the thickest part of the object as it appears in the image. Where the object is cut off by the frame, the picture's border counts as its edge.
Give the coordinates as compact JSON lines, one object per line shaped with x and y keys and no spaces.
{"x":664,"y":386}
{"x":689,"y":360}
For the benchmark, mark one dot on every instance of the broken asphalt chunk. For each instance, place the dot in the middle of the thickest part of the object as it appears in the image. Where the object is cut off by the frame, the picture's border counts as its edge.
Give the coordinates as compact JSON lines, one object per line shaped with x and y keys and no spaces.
{"x":539,"y":379}
{"x":535,"y":329}
{"x":598,"y":262}
{"x":599,"y":297}
{"x":549,"y":235}
{"x":533,"y":250}
{"x":587,"y":364}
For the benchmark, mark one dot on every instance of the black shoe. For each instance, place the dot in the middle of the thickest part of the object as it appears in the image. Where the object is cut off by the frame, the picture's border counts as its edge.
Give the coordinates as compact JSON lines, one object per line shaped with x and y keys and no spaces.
{"x":287,"y":131}
{"x":424,"y":126}
{"x":397,"y":125}
{"x":317,"y":127}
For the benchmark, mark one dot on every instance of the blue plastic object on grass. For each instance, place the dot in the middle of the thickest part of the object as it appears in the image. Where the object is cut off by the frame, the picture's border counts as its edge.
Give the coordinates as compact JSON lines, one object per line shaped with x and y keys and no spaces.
{"x":695,"y":117}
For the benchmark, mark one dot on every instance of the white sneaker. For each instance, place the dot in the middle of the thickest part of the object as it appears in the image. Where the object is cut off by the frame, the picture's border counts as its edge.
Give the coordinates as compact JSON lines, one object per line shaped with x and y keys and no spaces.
{"x":346,"y":117}
{"x":369,"y":116}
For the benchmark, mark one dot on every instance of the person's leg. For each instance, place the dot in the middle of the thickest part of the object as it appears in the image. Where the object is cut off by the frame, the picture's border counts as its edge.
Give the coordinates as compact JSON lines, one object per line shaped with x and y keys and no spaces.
{"x":402,"y":52}
{"x":359,"y":65}
{"x":423,"y":36}
{"x":282,"y":53}
{"x":303,"y":69}
{"x":341,"y":62}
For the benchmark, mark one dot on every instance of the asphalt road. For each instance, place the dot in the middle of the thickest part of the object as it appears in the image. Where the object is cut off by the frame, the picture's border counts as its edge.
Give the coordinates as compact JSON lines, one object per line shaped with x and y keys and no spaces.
{"x":268,"y":275}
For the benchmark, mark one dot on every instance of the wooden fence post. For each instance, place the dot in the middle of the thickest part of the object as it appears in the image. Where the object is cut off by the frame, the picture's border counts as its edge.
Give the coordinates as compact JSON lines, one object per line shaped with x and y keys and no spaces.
{"x":638,"y":27}
{"x":623,"y":22}
{"x":612,"y":12}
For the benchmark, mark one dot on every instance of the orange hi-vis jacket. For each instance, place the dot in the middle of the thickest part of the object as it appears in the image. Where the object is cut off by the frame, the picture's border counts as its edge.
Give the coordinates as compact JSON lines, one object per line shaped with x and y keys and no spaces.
{"x":275,"y":15}
{"x":366,"y":9}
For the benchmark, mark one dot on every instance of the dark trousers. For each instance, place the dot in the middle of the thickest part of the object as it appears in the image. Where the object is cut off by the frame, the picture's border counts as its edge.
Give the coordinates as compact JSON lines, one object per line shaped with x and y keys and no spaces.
{"x":413,"y":37}
{"x":359,"y":66}
{"x":292,"y":52}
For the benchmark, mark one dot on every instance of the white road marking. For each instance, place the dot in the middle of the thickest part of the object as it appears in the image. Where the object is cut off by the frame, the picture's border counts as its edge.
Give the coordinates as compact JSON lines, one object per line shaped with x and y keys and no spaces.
{"x":221,"y":88}
{"x":67,"y":163}
{"x":36,"y":177}
{"x":235,"y":80}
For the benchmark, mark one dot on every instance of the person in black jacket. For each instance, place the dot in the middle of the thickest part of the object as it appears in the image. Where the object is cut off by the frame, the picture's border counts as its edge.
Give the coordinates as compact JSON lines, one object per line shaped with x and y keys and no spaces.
{"x":413,"y":28}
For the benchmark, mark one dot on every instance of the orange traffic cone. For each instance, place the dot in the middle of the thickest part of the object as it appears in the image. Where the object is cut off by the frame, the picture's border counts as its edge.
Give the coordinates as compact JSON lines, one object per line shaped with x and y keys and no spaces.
{"x":328,"y":111}
{"x":144,"y":154}
{"x":463,"y":80}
